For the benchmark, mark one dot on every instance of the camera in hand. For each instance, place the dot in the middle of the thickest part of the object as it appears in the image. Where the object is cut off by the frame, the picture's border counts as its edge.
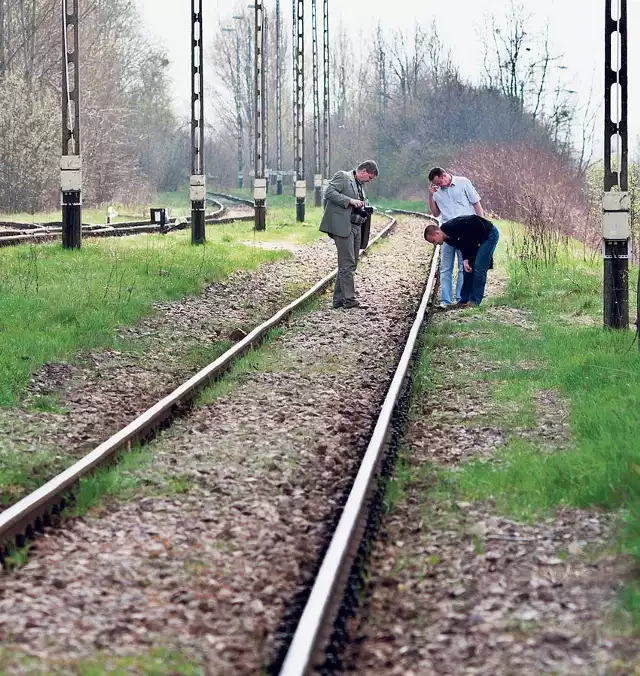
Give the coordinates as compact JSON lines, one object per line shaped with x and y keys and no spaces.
{"x":360,"y":215}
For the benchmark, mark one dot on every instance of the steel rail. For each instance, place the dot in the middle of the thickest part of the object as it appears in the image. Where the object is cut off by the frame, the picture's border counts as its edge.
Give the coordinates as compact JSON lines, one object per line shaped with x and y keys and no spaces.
{"x":25,"y":515}
{"x":51,"y":233}
{"x":232,"y":198}
{"x":311,"y":636}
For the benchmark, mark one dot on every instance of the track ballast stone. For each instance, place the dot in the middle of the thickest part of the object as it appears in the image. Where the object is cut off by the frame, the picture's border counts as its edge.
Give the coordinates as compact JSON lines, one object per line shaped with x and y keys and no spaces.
{"x":105,"y":390}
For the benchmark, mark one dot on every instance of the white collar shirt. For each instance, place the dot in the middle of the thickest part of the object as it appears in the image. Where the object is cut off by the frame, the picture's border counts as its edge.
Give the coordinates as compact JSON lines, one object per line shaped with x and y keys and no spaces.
{"x":457,"y":199}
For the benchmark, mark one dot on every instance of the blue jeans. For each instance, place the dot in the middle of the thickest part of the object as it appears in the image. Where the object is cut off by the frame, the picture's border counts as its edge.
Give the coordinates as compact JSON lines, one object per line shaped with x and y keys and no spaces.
{"x":448,"y":255}
{"x":476,"y":280}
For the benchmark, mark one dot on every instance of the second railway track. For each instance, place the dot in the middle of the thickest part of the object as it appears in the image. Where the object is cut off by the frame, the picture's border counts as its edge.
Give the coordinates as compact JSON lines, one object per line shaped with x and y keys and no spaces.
{"x":13,"y":234}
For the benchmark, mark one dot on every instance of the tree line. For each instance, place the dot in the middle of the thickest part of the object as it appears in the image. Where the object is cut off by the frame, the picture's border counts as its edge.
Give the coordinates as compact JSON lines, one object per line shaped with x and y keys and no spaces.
{"x":132,"y":142}
{"x":397,"y":97}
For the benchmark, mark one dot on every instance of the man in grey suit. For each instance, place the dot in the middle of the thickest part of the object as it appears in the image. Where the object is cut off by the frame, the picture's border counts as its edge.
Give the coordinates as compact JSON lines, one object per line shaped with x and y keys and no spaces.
{"x":344,"y":194}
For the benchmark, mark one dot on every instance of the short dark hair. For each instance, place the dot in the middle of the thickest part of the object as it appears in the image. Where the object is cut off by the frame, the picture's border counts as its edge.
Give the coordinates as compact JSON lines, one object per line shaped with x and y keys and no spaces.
{"x":430,"y":230}
{"x":369,"y":166}
{"x":436,"y":171}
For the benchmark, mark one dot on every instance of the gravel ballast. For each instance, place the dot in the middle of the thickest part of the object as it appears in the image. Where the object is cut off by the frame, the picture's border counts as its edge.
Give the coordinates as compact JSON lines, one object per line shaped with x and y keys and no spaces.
{"x":103,"y":391}
{"x":212,"y":571}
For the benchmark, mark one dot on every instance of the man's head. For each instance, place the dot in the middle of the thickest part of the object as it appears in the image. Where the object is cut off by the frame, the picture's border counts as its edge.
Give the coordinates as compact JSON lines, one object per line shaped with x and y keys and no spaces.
{"x":366,"y":171}
{"x":434,"y":234}
{"x":438,"y":176}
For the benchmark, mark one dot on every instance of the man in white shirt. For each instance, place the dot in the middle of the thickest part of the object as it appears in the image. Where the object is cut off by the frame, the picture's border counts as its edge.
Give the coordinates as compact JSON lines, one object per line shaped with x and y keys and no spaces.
{"x":449,"y":197}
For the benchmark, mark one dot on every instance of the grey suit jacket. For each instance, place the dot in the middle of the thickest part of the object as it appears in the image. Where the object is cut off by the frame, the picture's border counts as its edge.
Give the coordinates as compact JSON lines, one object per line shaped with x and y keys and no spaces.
{"x":336,"y":219}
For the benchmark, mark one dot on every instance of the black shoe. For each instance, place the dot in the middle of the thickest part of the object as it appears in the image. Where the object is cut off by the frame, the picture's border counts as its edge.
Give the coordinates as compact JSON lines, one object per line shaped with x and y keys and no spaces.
{"x":354,"y":305}
{"x":337,"y":306}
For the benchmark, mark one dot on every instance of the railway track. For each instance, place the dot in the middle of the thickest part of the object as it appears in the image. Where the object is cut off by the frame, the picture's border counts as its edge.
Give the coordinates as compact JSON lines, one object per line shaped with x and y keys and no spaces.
{"x":33,"y":513}
{"x":320,"y":627}
{"x":16,"y":233}
{"x":321,"y":633}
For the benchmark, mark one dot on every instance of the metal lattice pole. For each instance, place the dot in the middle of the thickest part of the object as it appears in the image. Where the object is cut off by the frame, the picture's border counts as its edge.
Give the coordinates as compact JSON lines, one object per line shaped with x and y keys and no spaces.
{"x":278,"y":100}
{"x":259,"y":181}
{"x":301,"y":185}
{"x":294,"y":83}
{"x":326,"y":164}
{"x":615,"y":203}
{"x":238,"y":96}
{"x":71,"y":160}
{"x":265,"y":89}
{"x":197,"y":179}
{"x":317,"y":177}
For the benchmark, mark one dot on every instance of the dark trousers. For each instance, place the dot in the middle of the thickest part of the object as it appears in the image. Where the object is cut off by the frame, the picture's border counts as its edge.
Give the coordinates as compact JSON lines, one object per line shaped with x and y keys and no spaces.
{"x":348,"y":252}
{"x":474,"y":282}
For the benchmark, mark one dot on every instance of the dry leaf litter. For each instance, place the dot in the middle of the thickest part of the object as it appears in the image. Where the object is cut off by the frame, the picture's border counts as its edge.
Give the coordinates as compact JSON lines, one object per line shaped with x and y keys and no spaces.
{"x":212,"y":571}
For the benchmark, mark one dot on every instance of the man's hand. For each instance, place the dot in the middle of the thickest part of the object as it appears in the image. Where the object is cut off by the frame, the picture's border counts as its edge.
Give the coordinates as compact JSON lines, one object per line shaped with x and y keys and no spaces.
{"x":467,"y":267}
{"x":433,"y":188}
{"x":357,"y":204}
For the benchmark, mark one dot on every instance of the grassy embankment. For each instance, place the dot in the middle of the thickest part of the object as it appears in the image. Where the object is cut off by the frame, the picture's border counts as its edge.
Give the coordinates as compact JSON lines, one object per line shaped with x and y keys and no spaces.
{"x":177,"y":204}
{"x":596,"y":372}
{"x":56,"y":305}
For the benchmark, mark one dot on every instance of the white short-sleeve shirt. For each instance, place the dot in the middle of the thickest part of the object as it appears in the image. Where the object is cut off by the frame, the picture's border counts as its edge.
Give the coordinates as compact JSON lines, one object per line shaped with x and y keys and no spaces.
{"x":456,"y":200}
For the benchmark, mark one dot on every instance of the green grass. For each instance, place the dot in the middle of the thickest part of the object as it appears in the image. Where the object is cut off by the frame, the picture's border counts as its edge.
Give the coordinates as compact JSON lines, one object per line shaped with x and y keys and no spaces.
{"x":117,"y":480}
{"x":158,"y":662}
{"x":561,"y":347}
{"x":593,"y":369}
{"x":397,"y":484}
{"x":54,"y":303}
{"x":408,"y":205}
{"x":287,"y":200}
{"x":16,"y":557}
{"x":21,"y":471}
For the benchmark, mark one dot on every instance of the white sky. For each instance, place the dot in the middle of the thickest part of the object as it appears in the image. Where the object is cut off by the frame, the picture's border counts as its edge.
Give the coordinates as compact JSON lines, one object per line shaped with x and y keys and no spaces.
{"x":576,"y":31}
